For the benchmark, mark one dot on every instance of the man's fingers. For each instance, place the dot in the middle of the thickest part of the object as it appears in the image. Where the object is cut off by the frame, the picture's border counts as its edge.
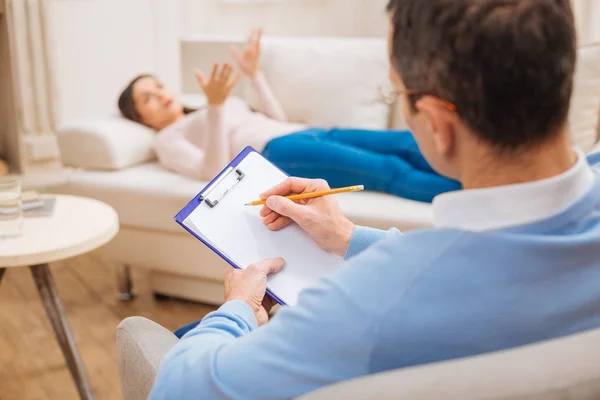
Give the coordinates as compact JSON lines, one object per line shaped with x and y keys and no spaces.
{"x":286,"y":188}
{"x":229,"y":273}
{"x":200,"y":77}
{"x":265,"y":211}
{"x":299,"y":213}
{"x":268,"y":266}
{"x":279,"y":224}
{"x":295,"y":186}
{"x":269,"y":219}
{"x":272,"y":220}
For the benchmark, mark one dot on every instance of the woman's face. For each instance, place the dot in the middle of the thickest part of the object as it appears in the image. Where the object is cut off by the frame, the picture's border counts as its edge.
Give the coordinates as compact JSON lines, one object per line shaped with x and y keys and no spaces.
{"x":156,"y":105}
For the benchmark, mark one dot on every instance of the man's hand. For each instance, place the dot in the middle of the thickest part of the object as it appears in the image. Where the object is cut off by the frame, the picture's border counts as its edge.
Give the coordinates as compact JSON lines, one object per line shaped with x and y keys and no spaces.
{"x":321,"y":217}
{"x":249,"y":61}
{"x":219,"y":87}
{"x":250,"y":286}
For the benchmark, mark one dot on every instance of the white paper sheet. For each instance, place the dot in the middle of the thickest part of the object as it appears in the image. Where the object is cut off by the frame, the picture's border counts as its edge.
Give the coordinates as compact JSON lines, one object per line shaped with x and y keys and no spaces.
{"x":238,"y":232}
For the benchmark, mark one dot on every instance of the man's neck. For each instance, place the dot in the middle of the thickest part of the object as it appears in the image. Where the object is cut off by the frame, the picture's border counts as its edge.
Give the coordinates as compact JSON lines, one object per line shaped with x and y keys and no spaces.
{"x":545,"y":161}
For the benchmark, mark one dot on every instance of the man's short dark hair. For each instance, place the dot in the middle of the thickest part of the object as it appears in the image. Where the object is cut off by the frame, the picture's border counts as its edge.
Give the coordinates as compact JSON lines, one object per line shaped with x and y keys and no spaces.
{"x":507,"y":65}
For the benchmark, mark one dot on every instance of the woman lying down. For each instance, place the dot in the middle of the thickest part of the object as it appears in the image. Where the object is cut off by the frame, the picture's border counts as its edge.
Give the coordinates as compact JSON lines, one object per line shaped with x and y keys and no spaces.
{"x":200,"y":143}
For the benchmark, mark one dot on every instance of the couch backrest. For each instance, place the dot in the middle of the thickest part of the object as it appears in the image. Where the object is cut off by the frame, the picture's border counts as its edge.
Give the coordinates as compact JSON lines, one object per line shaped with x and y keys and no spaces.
{"x":319,"y":81}
{"x":327,"y":81}
{"x":562,"y":369}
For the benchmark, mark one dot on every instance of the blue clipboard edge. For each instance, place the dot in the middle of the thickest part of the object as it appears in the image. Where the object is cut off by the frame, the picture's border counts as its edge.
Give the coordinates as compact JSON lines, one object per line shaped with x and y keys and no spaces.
{"x":196,"y":201}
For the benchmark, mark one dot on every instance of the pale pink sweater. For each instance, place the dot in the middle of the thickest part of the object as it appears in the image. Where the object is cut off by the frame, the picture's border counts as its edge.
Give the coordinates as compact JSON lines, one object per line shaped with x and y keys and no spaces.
{"x":202,"y":143}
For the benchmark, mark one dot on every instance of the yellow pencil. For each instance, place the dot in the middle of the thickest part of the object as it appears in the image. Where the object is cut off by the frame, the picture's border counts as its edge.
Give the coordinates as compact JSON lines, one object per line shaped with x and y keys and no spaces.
{"x":313,"y":195}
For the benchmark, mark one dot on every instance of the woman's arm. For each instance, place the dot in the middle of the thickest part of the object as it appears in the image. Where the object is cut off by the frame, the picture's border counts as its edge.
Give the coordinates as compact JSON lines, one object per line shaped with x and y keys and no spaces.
{"x":249,"y":62}
{"x":179,"y":155}
{"x":192,"y":156}
{"x":201,"y":157}
{"x":215,"y":141}
{"x":271,"y":105}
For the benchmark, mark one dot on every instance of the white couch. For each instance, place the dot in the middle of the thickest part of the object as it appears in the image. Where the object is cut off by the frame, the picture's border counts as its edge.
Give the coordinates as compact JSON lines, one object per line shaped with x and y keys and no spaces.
{"x":322,"y":82}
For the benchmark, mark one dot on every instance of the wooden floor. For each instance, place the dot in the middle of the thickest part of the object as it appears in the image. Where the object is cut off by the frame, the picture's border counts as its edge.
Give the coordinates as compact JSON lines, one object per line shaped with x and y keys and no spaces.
{"x":31,"y":363}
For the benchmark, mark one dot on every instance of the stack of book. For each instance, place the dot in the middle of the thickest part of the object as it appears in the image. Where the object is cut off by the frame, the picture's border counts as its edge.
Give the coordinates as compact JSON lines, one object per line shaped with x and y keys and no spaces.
{"x":31,"y":200}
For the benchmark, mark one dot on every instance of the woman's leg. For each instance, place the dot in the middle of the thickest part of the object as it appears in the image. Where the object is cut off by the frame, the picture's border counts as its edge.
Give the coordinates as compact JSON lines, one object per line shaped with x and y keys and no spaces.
{"x":400,"y":143}
{"x":311,"y":155}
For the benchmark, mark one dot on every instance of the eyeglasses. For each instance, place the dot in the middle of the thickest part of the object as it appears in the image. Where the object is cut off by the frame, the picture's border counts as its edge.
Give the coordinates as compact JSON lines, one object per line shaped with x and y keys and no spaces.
{"x":389,"y":94}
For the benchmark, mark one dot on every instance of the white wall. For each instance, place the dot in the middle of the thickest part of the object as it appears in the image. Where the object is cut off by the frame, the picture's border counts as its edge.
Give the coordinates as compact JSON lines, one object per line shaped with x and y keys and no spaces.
{"x":99,"y":45}
{"x":361,"y":18}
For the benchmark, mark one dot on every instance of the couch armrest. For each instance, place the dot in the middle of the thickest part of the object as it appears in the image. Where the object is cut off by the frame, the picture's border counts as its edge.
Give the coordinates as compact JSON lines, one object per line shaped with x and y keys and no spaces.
{"x":141,"y":347}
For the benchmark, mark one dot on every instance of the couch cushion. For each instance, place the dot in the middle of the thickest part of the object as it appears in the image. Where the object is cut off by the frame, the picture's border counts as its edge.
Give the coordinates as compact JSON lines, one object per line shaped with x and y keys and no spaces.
{"x":145,"y":196}
{"x":385,"y":211}
{"x":148,"y":197}
{"x":336,"y":87}
{"x":108,"y":143}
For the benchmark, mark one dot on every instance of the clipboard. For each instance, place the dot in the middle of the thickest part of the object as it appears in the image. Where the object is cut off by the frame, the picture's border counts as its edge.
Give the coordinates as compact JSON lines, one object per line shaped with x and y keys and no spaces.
{"x":218,"y":218}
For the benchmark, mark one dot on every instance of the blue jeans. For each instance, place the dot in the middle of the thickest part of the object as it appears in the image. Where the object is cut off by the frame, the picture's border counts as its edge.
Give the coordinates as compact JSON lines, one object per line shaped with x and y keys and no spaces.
{"x":385,"y":161}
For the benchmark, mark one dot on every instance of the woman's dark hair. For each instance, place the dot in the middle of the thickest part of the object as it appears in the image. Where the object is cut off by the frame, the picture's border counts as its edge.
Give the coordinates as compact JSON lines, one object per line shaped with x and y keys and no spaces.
{"x":127,"y":102}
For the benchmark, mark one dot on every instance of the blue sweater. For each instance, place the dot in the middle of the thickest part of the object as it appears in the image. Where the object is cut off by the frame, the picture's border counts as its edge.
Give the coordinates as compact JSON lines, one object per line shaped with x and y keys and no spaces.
{"x":409,"y":299}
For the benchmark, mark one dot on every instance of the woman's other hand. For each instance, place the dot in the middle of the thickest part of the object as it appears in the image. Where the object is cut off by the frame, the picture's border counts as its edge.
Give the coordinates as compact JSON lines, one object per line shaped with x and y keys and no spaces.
{"x":221,"y":82}
{"x":249,"y":60}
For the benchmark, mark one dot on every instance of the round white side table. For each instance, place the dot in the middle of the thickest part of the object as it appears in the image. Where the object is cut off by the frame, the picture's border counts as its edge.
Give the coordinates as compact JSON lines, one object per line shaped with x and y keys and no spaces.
{"x":77,"y":225}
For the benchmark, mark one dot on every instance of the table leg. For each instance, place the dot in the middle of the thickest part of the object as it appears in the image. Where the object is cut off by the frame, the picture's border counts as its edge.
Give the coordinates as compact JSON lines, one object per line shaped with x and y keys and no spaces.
{"x":56,"y":314}
{"x":2,"y":271}
{"x":125,"y":283}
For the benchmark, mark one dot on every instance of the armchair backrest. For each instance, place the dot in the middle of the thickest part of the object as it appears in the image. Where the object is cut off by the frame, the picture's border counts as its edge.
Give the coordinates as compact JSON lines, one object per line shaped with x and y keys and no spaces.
{"x":562,"y":369}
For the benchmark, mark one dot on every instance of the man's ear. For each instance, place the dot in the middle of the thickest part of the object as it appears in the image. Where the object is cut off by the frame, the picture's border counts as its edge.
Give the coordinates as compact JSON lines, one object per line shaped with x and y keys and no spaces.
{"x":440,"y":120}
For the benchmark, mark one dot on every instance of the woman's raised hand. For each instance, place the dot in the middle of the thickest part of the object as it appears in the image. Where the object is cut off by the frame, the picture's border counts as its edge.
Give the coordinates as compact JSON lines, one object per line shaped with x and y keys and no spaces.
{"x":249,"y":60}
{"x":221,"y":82}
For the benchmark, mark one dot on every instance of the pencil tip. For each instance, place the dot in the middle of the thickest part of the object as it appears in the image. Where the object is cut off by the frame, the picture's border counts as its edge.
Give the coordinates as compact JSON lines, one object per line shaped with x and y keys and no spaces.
{"x":247,"y":204}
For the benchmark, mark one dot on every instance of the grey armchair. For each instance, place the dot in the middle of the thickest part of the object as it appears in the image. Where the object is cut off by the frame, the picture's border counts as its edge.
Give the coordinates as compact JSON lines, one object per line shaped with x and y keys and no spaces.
{"x":565,"y":368}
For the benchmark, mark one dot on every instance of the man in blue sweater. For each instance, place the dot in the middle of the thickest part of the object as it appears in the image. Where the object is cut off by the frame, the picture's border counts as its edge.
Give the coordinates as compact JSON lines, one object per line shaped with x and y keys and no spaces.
{"x":513,"y":259}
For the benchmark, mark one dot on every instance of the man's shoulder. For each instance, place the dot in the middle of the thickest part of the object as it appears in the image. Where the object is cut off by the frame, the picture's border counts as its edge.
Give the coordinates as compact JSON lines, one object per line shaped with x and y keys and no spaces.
{"x":411,"y":247}
{"x":594,"y":159}
{"x":424,"y":243}
{"x":391,"y":266}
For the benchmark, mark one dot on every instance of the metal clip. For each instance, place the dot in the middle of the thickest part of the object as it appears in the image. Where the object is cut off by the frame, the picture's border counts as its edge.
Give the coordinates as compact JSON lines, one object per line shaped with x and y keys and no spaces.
{"x":221,"y":187}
